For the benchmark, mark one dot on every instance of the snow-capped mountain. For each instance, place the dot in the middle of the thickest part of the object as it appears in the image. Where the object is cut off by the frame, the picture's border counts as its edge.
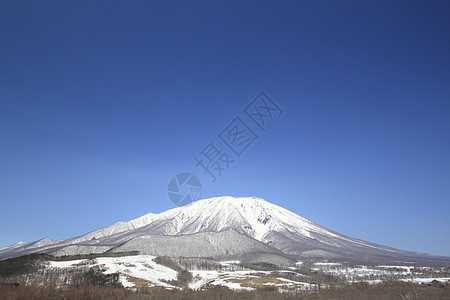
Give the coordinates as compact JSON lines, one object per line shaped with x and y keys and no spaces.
{"x":246,"y":228}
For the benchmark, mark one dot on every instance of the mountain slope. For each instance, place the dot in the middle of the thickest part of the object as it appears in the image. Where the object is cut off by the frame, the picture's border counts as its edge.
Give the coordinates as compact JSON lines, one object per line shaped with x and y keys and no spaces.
{"x":221,"y":227}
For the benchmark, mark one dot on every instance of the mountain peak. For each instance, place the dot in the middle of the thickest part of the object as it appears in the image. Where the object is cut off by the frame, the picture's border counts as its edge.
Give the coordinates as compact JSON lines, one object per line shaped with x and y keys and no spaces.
{"x":219,"y":226}
{"x":252,"y":216}
{"x":229,"y":199}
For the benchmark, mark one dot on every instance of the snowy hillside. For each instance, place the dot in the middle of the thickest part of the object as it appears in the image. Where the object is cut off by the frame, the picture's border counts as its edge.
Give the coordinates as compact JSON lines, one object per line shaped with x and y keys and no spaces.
{"x":221,"y":227}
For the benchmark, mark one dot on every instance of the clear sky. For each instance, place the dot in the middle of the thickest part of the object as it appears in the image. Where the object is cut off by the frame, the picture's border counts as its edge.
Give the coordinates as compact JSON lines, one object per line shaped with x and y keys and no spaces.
{"x":102,"y":102}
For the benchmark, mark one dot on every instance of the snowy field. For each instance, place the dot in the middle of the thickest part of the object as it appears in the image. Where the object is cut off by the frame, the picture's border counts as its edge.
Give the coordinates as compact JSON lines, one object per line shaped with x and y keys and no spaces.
{"x":142,"y":271}
{"x":379,"y":273}
{"x":131,"y":269}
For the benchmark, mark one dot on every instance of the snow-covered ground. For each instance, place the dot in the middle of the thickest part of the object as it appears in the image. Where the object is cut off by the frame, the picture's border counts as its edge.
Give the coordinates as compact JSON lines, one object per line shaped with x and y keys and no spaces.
{"x":142,"y":271}
{"x":132,"y":269}
{"x":380,"y":273}
{"x":327,"y":264}
{"x":244,"y":280}
{"x":428,"y":280}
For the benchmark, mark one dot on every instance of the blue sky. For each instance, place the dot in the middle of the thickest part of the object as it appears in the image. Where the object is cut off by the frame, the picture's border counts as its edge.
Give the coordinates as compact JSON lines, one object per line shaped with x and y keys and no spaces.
{"x":102,"y":102}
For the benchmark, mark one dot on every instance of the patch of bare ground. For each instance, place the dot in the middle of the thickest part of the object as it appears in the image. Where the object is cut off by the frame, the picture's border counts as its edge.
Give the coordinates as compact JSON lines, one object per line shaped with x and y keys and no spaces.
{"x":147,"y":266}
{"x":263,"y":282}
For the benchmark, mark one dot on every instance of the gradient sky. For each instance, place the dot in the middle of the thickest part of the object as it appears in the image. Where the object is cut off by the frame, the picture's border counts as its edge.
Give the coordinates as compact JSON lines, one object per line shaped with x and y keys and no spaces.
{"x":102,"y":102}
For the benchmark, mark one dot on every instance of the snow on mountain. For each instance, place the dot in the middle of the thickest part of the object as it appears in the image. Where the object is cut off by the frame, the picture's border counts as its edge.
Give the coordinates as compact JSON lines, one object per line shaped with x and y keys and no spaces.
{"x":248,"y":215}
{"x":220,"y":227}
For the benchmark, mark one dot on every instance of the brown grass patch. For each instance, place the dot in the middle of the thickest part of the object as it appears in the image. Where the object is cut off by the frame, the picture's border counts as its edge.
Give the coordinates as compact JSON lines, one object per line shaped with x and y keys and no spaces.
{"x":139,"y":283}
{"x":147,"y":266}
{"x":126,"y":265}
{"x":263,"y":282}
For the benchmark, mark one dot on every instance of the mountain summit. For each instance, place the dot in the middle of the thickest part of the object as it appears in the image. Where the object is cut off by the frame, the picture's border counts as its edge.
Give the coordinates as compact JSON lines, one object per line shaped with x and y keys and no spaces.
{"x":246,"y":228}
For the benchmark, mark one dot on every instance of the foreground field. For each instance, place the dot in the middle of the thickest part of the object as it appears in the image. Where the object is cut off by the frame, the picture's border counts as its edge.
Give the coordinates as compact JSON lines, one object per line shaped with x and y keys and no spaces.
{"x":391,"y":290}
{"x":145,"y":271}
{"x":132,"y":276}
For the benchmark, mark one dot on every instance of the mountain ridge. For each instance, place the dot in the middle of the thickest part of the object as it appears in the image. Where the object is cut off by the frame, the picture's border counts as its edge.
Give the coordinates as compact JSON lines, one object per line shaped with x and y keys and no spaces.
{"x":287,"y":235}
